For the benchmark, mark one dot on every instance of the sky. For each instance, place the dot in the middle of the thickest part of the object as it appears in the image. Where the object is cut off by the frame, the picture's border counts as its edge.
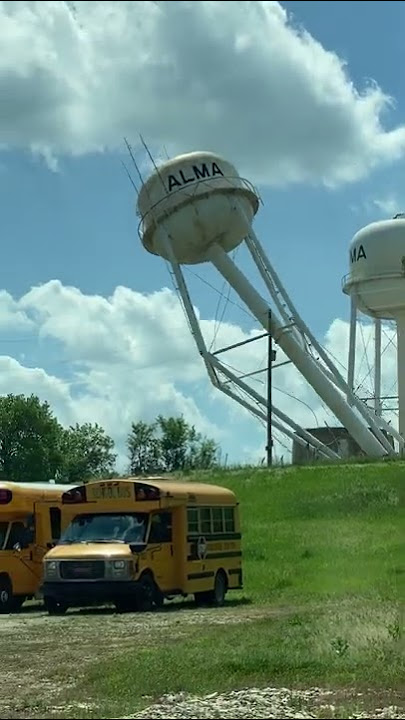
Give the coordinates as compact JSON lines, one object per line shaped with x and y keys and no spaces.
{"x":304,"y":98}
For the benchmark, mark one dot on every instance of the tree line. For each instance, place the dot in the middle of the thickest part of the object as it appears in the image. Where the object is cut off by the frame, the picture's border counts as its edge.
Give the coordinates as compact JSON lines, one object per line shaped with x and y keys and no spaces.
{"x":34,"y":446}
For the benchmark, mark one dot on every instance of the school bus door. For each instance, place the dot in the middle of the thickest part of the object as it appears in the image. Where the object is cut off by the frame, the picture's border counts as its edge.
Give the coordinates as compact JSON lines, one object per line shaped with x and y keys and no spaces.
{"x":20,"y":543}
{"x":162,"y":550}
{"x":41,"y":534}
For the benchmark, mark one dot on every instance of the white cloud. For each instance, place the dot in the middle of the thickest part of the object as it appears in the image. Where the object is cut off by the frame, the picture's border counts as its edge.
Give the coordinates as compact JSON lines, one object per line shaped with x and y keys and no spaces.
{"x":379,"y":208}
{"x":388,"y":204}
{"x":11,"y":316}
{"x":108,"y":328}
{"x":16,"y":378}
{"x":76,"y":77}
{"x":131,"y":356}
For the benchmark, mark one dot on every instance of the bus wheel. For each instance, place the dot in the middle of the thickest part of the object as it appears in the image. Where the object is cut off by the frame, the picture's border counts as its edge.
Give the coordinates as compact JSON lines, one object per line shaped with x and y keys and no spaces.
{"x":159,"y":598}
{"x":217,"y":596}
{"x":53,"y":607}
{"x":148,"y":593}
{"x":8,"y":602}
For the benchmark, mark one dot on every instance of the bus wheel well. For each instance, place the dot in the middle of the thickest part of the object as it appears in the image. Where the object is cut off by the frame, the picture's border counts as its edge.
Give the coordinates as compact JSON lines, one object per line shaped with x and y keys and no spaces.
{"x":147,"y":573}
{"x":5,"y":578}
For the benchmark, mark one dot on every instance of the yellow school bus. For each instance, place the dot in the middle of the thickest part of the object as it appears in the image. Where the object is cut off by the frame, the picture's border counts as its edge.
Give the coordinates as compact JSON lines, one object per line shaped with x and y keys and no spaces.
{"x":136,"y":542}
{"x":30,"y":522}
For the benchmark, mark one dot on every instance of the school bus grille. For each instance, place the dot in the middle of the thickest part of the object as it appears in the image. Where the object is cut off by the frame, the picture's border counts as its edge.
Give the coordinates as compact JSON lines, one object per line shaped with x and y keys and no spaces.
{"x":82,"y":569}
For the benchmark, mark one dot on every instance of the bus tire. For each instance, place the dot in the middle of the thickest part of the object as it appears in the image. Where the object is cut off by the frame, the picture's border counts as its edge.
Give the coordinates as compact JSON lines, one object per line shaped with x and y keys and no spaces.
{"x":148,"y":593}
{"x":8,"y":602}
{"x":54,"y":607}
{"x":159,"y":598}
{"x":217,"y":596}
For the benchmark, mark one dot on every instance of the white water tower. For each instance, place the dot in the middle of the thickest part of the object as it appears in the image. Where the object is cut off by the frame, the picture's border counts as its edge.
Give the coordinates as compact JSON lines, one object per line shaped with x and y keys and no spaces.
{"x":376,"y":285}
{"x":195,"y":208}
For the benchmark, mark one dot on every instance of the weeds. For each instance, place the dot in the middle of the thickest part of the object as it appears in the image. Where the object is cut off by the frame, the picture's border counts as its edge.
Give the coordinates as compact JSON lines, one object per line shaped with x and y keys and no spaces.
{"x":340,"y":646}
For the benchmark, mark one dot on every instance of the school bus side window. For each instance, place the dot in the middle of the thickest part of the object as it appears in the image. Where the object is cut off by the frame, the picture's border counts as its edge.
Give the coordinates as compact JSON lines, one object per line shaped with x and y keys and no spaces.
{"x":17,"y":534}
{"x":192,"y":516}
{"x":229,"y":520}
{"x":210,"y":520}
{"x":205,"y":515}
{"x":217,"y":520}
{"x":161,"y":528}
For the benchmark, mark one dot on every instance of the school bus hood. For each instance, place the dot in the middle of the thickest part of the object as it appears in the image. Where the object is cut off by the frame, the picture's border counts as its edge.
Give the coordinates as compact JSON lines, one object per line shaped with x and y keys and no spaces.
{"x":89,"y":551}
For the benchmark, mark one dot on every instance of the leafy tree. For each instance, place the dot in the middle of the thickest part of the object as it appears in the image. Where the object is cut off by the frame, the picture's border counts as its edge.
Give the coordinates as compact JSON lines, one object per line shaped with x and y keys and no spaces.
{"x":30,"y":437}
{"x":168,"y":445}
{"x":183,"y":448}
{"x":176,"y":436}
{"x":87,"y":453}
{"x":144,"y":449}
{"x":205,"y":455}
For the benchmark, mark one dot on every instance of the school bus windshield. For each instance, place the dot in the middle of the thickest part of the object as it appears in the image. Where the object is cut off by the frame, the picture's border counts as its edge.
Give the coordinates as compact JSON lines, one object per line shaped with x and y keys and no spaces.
{"x":106,"y":527}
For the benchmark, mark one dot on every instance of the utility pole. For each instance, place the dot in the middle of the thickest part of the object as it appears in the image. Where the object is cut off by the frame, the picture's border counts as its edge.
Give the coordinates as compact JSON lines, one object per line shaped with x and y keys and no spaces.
{"x":270,"y":358}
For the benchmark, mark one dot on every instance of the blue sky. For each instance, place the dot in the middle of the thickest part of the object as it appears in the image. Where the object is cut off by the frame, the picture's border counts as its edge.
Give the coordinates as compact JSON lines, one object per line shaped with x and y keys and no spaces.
{"x":78,"y":224}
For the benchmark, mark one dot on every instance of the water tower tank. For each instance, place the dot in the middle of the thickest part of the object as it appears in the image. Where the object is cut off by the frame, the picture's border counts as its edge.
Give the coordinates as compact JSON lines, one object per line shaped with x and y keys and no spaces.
{"x":377,"y":268}
{"x":197,"y":199}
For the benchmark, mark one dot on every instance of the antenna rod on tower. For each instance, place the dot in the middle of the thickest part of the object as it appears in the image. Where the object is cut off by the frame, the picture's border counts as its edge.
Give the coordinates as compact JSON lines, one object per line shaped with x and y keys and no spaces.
{"x":151,"y":158}
{"x":133,"y":160}
{"x":130,"y":177}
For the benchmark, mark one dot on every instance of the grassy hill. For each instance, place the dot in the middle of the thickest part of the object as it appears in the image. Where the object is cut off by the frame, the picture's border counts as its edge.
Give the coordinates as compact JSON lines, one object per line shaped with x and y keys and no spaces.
{"x":324,"y":563}
{"x":327,"y":531}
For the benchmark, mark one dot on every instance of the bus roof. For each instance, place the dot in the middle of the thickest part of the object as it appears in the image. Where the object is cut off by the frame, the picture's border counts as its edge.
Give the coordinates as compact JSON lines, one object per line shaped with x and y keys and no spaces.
{"x":24,"y":494}
{"x":202,"y":491}
{"x":40,"y":486}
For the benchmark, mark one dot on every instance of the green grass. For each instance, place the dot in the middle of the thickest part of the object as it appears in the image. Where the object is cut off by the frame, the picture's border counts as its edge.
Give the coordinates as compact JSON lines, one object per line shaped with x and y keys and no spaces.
{"x":322,"y":532}
{"x":353,"y":645}
{"x":326,"y":542}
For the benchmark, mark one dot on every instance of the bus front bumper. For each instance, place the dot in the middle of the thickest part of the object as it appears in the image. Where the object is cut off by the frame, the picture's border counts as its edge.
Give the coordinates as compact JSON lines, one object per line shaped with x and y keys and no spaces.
{"x":82,"y":592}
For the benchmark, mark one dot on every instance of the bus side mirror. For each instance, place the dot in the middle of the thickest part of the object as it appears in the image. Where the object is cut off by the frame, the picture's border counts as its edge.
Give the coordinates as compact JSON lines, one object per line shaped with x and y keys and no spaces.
{"x":137,"y":547}
{"x":22,"y":544}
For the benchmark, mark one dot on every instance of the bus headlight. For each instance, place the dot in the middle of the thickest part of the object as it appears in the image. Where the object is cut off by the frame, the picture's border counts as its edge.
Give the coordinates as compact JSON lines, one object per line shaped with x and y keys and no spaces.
{"x":119,"y":568}
{"x":51,"y":568}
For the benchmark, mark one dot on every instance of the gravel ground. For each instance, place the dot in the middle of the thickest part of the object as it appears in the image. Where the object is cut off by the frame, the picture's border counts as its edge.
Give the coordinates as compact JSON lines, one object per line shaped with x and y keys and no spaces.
{"x":260,"y":703}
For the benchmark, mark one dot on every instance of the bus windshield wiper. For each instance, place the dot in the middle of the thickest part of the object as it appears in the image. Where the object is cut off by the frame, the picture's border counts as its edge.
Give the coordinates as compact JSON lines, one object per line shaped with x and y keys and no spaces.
{"x":113,"y":540}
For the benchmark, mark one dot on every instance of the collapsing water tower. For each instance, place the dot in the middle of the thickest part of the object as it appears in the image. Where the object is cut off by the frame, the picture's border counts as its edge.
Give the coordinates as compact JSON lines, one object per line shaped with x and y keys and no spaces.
{"x":376,"y":285}
{"x":195,"y":208}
